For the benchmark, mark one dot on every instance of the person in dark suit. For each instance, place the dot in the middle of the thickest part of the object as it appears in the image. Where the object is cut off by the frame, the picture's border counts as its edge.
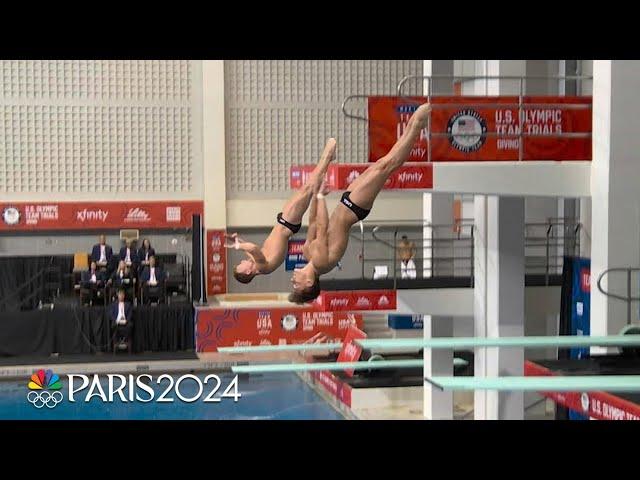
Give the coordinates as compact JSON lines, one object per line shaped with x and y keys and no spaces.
{"x":152,"y":280}
{"x":92,"y":282}
{"x":121,"y":320}
{"x":101,"y":253}
{"x":122,"y":278}
{"x":145,"y":253}
{"x":129,"y":254}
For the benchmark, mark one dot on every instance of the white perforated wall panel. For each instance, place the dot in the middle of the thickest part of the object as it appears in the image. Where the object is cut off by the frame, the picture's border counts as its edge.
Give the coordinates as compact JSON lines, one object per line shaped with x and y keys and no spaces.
{"x":279,"y":113}
{"x":104,"y":128}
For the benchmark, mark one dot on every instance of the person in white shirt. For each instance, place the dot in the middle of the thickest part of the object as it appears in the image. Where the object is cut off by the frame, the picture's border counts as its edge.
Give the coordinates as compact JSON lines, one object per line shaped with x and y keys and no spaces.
{"x":145,"y":252}
{"x":93,"y":280}
{"x":129,"y":254}
{"x":101,"y":252}
{"x":152,"y":280}
{"x":121,"y":314}
{"x":123,"y":278}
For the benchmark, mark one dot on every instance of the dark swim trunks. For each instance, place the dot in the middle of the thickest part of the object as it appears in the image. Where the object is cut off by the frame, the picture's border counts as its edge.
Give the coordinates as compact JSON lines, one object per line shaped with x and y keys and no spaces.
{"x":360,"y":212}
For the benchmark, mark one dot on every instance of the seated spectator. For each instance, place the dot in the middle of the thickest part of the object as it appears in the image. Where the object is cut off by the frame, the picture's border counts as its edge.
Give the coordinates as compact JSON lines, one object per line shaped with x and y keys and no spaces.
{"x":122,"y":278}
{"x":102,"y":253}
{"x":92,"y":283}
{"x":128,"y":254}
{"x":93,"y":277}
{"x":121,"y":316}
{"x":145,"y":253}
{"x":152,"y":281}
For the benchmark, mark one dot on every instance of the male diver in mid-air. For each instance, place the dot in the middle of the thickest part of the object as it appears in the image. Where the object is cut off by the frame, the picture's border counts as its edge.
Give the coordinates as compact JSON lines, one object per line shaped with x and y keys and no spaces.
{"x":327,"y":239}
{"x":264,"y":260}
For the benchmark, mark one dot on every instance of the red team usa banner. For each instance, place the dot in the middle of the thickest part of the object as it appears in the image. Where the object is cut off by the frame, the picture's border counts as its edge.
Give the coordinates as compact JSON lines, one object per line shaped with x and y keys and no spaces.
{"x":220,"y":327}
{"x":599,"y":405}
{"x":461,"y":133}
{"x":97,"y":215}
{"x":340,"y":176}
{"x":216,"y":262}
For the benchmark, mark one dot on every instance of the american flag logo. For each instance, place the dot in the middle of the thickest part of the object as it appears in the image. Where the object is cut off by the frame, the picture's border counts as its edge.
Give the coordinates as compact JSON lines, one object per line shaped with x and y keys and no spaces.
{"x":465,"y":126}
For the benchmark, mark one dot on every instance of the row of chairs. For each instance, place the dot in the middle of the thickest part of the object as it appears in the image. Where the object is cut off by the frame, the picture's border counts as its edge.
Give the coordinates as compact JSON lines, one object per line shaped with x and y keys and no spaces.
{"x":175,"y":283}
{"x":105,"y":294}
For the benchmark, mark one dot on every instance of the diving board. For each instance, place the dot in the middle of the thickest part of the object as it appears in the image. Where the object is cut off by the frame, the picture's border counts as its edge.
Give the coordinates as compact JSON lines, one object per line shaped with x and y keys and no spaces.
{"x":453,"y":342}
{"x":586,"y":383}
{"x":523,"y":342}
{"x":332,"y":366}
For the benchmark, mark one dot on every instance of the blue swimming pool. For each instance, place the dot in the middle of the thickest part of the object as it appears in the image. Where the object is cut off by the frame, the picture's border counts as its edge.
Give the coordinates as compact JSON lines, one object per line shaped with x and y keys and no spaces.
{"x":263,"y":397}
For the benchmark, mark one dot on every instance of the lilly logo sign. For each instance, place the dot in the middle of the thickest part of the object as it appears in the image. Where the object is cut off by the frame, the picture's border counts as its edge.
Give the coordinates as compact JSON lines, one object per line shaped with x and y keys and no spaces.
{"x":40,"y":385}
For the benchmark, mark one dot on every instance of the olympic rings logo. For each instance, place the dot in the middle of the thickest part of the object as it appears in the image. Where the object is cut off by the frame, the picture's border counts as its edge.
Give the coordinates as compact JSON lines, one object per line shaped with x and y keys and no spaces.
{"x":44,"y":398}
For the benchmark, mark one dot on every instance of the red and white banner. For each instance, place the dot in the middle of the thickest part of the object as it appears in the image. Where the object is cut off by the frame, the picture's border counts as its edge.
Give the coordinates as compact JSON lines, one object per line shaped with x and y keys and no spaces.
{"x":459,"y":132}
{"x":219,"y":327}
{"x":338,"y":389}
{"x":340,"y":176}
{"x":599,"y":405}
{"x":216,"y":262}
{"x":97,"y":215}
{"x":350,"y":351}
{"x":354,"y":300}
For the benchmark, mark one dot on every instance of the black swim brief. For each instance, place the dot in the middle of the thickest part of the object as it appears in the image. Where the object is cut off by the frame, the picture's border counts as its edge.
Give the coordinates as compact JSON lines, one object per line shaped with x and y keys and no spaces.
{"x":290,"y":226}
{"x":360,"y":212}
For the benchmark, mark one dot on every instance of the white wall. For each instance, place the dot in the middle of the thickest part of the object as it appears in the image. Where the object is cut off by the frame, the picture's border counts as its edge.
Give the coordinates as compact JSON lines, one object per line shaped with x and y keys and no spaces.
{"x":542,"y":310}
{"x":280,"y":113}
{"x":100,"y":130}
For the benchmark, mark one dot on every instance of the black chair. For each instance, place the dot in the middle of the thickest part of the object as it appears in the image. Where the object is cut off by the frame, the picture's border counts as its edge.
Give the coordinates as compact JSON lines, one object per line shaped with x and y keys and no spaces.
{"x":96,"y":294}
{"x":157,"y":292}
{"x":115,"y":339}
{"x":130,"y":290}
{"x":175,"y":279}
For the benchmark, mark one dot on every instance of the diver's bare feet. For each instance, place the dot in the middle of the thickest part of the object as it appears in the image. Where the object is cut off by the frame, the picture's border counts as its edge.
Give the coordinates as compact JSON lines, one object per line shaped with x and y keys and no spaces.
{"x":421,"y":116}
{"x":320,"y":172}
{"x":329,"y":152}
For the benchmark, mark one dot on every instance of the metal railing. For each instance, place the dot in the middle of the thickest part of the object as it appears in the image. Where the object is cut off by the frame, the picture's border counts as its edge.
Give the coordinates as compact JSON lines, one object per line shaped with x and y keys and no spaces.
{"x":521,"y":106}
{"x":629,"y":298}
{"x":556,"y":238}
{"x":447,"y":250}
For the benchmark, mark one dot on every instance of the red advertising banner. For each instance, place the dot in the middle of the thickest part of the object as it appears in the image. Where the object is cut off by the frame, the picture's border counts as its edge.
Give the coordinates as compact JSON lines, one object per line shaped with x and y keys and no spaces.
{"x":298,"y":175}
{"x":599,"y":405}
{"x":354,"y":300}
{"x":216,"y":262}
{"x":97,"y":215}
{"x":467,"y":133}
{"x":219,"y":327}
{"x":416,"y":176}
{"x":351,"y":351}
{"x":340,"y":176}
{"x":340,"y":390}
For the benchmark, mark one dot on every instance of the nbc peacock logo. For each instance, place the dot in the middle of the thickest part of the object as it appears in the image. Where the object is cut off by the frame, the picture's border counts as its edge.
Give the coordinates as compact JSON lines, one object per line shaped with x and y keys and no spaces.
{"x":44,"y":389}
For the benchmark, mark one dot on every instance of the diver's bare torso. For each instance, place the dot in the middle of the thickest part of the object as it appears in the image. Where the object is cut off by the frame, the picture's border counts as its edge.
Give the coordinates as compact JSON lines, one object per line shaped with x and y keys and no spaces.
{"x":338,"y":238}
{"x":274,"y":250}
